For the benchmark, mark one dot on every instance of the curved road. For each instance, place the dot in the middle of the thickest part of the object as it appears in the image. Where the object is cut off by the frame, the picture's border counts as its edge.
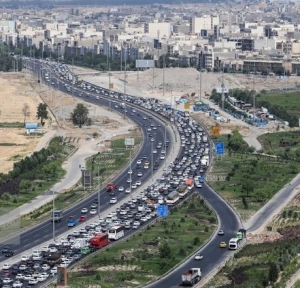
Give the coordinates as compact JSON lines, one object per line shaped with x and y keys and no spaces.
{"x":43,"y":232}
{"x":213,"y":255}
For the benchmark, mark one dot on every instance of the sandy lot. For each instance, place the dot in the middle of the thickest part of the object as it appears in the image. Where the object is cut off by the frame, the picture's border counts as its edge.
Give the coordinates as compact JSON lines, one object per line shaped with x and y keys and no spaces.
{"x":16,"y":90}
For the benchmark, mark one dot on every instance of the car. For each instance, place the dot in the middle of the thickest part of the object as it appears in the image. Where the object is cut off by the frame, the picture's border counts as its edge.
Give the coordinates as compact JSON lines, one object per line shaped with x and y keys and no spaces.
{"x":53,"y":270}
{"x":33,"y":281}
{"x":113,"y":200}
{"x":45,"y":267}
{"x":121,"y":189}
{"x":198,"y":256}
{"x":112,"y":193}
{"x":146,"y":166}
{"x":221,"y":232}
{"x":133,"y":186}
{"x":9,"y":253}
{"x":130,"y":172}
{"x":84,"y":210}
{"x":223,"y":245}
{"x":138,"y":183}
{"x":129,"y":180}
{"x":154,"y":151}
{"x":5,"y":249}
{"x":82,"y":218}
{"x":18,"y":284}
{"x":22,"y":267}
{"x":139,"y":174}
{"x":127,"y":190}
{"x":94,"y":206}
{"x":162,"y":157}
{"x":93,"y":211}
{"x":7,"y":280}
{"x":6,"y":266}
{"x":139,"y":162}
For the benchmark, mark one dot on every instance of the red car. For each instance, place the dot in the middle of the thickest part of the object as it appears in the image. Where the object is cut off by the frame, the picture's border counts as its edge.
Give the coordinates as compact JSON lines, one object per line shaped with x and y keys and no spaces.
{"x":82,"y":218}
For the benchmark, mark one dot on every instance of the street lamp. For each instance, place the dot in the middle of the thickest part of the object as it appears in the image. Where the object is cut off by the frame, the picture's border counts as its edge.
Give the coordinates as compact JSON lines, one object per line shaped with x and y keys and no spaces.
{"x":53,"y":219}
{"x":152,"y":164}
{"x":130,"y":185}
{"x":98,"y":192}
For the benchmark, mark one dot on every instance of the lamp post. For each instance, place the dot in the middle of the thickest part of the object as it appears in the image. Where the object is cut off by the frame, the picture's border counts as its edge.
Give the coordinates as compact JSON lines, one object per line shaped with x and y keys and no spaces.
{"x":53,"y":220}
{"x":152,"y":164}
{"x":98,"y":192}
{"x":130,"y":185}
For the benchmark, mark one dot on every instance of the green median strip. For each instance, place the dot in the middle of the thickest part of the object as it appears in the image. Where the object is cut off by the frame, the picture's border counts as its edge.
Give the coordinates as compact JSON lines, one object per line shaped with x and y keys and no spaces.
{"x":151,"y":252}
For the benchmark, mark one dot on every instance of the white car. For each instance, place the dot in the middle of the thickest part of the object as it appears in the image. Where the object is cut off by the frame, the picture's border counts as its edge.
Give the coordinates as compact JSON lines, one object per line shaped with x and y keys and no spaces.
{"x":139,"y":174}
{"x":198,"y":257}
{"x":53,"y":270}
{"x":121,"y":189}
{"x":93,"y":211}
{"x":146,"y":166}
{"x":33,"y":281}
{"x":113,"y":200}
{"x":154,"y":151}
{"x":138,"y":162}
{"x":19,"y":277}
{"x":27,"y":277}
{"x":45,"y":267}
{"x":133,"y":186}
{"x":22,"y":267}
{"x":130,"y":172}
{"x":6,"y":266}
{"x":37,"y":257}
{"x":138,"y":183}
{"x":24,"y":258}
{"x":7,"y":280}
{"x":17,"y":284}
{"x":84,"y":210}
{"x":127,"y":190}
{"x":41,"y":278}
{"x":123,"y":212}
{"x":162,"y":157}
{"x":129,"y":180}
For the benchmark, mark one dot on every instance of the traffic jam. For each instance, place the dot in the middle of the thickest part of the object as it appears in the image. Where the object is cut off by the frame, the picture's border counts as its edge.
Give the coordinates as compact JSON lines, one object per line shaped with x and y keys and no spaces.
{"x":177,"y":182}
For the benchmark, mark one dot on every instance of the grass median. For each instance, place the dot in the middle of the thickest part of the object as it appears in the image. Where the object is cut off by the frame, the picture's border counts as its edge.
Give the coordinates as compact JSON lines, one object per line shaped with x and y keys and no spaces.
{"x":110,"y":164}
{"x":249,"y":180}
{"x":151,"y":252}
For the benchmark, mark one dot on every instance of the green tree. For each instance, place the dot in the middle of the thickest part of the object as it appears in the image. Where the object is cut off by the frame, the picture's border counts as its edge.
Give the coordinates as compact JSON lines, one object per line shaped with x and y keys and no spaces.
{"x":25,"y":185}
{"x":164,"y":250}
{"x":80,"y":115}
{"x":42,"y":112}
{"x":247,"y":186}
{"x":273,"y":273}
{"x":235,"y":142}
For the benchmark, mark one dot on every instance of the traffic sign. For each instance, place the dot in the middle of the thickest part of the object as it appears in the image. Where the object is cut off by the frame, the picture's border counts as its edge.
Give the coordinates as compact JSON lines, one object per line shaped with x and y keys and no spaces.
{"x":162,"y":210}
{"x":187,"y":105}
{"x":220,"y":149}
{"x":129,"y":141}
{"x":221,"y":90}
{"x":111,"y":85}
{"x":216,"y":131}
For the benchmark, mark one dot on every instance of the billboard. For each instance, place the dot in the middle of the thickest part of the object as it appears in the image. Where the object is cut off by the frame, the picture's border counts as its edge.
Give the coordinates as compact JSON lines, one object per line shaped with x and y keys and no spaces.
{"x":31,"y":126}
{"x":129,"y":141}
{"x":222,"y":90}
{"x":144,"y":63}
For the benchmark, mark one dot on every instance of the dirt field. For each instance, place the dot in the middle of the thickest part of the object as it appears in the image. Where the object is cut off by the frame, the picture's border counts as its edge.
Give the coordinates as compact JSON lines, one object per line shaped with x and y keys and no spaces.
{"x":16,"y":91}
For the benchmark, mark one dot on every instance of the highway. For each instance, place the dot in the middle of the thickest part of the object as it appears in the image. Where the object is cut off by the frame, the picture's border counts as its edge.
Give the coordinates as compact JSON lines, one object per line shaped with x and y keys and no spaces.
{"x":44,"y":231}
{"x":213,"y":255}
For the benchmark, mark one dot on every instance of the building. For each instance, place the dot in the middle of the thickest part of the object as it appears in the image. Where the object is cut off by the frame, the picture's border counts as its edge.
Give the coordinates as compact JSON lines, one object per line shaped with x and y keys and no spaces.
{"x":206,"y":23}
{"x":158,"y":29}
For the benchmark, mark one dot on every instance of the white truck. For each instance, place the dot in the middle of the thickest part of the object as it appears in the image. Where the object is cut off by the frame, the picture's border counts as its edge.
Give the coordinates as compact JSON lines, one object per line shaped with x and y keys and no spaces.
{"x":191,"y":277}
{"x":80,"y":243}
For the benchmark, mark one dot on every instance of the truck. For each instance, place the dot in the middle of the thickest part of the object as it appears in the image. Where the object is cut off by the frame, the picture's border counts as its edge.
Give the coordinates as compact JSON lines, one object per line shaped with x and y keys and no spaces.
{"x":111,"y":187}
{"x":56,"y":215}
{"x":191,"y":277}
{"x":72,"y":222}
{"x":70,"y":77}
{"x":79,"y":79}
{"x":80,"y":243}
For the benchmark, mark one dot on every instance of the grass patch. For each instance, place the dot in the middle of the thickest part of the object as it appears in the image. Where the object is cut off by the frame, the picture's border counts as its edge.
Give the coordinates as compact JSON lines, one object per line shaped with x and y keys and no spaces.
{"x":11,"y":144}
{"x":11,"y":125}
{"x":152,"y":251}
{"x":248,"y":181}
{"x":278,"y":143}
{"x":289,"y":101}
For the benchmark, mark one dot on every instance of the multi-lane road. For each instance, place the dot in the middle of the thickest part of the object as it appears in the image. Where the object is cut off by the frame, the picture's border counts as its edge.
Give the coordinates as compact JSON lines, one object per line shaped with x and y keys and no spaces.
{"x":228,"y":221}
{"x":44,"y":231}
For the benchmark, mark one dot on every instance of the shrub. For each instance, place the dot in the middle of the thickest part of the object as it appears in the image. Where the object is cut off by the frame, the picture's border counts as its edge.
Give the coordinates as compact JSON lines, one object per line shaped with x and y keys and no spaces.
{"x":196,"y":240}
{"x":182,"y":220}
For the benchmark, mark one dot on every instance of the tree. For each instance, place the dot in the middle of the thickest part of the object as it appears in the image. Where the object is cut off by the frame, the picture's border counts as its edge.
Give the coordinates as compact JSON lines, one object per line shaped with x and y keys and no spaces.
{"x":164,"y":250}
{"x":80,"y":115}
{"x":42,"y":112}
{"x":273,"y":273}
{"x":25,"y":185}
{"x":247,"y":186}
{"x":25,"y":111}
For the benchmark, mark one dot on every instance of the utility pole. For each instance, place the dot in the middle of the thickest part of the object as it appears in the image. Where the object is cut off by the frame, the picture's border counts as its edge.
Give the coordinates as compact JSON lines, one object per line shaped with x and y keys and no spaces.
{"x":121,"y":57}
{"x":200,"y":85}
{"x":223,"y":88}
{"x":109,"y":84}
{"x":137,"y":68}
{"x":153,"y":75}
{"x":254,"y":94}
{"x":164,"y":75}
{"x":53,"y":222}
{"x":125,"y":68}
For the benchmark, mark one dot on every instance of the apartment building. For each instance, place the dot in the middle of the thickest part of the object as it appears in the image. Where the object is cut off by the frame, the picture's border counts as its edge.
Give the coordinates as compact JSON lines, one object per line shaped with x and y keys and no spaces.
{"x":267,"y":65}
{"x":158,"y":30}
{"x":203,"y":25}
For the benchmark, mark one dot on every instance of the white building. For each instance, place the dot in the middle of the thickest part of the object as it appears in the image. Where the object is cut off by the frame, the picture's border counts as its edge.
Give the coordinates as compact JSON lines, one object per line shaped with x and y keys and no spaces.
{"x":158,"y":29}
{"x":206,"y":22}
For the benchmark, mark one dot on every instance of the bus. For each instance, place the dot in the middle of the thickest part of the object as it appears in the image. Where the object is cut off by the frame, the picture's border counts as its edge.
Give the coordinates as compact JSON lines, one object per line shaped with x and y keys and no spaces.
{"x":172,"y":198}
{"x":182,"y":190}
{"x":99,"y":240}
{"x":116,"y":232}
{"x":233,"y":243}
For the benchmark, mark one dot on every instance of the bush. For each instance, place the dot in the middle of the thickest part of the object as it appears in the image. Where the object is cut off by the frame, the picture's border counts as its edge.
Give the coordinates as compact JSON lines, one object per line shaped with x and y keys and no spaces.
{"x":196,"y":241}
{"x":182,"y":220}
